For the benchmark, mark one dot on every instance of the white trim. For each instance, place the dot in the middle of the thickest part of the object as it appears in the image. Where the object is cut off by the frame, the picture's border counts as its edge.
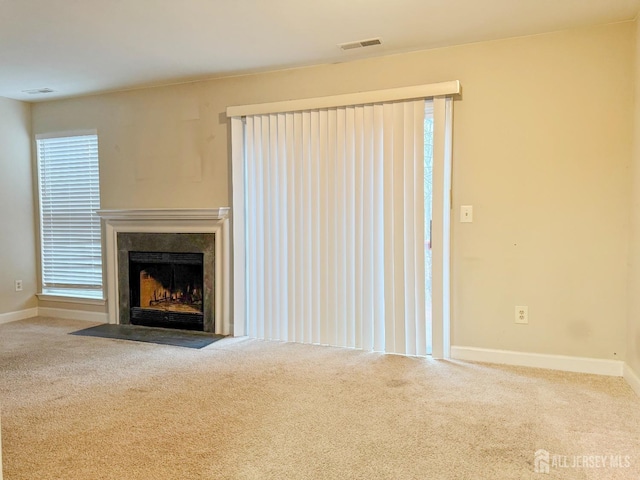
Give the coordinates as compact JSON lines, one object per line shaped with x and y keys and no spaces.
{"x":165,"y":214}
{"x":0,"y":447}
{"x":597,"y":366}
{"x":19,"y":315}
{"x":98,"y":317}
{"x":360,"y":98}
{"x":70,"y":133}
{"x":175,"y":220}
{"x":446,"y":228}
{"x":632,"y":378}
{"x":47,"y":297}
{"x":239,"y":250}
{"x":441,"y":227}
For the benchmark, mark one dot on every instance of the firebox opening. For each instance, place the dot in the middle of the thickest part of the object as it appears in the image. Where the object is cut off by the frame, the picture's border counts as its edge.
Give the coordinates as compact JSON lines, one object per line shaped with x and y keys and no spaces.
{"x":166,"y":289}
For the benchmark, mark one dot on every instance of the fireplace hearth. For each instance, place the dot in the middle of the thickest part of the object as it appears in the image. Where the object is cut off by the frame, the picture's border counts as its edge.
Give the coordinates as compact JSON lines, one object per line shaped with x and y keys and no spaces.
{"x":166,"y":290}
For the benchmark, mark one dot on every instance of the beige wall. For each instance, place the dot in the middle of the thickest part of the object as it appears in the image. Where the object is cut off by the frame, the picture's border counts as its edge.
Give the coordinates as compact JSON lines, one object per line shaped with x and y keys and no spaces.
{"x":633,"y":324}
{"x":542,"y":148}
{"x":17,"y":230}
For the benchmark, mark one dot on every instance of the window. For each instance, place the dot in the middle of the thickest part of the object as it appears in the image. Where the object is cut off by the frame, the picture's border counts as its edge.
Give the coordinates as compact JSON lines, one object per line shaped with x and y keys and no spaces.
{"x":70,"y":230}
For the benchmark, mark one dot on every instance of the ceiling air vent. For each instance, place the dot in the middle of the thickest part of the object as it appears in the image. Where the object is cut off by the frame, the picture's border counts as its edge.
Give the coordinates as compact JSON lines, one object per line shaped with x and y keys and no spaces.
{"x":361,"y":44}
{"x":38,"y":91}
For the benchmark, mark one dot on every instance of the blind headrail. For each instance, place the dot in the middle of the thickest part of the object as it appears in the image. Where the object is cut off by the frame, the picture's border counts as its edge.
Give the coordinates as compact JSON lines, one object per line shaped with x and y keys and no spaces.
{"x":360,"y":98}
{"x":70,"y":133}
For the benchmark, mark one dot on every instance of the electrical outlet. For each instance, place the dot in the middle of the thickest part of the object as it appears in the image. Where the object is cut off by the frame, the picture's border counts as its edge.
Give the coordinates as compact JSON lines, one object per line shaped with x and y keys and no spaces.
{"x":18,"y":285}
{"x":522,"y":314}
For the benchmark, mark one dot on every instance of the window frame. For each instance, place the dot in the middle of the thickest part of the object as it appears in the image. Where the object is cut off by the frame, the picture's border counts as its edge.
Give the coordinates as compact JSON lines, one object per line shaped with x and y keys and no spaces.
{"x":79,"y":295}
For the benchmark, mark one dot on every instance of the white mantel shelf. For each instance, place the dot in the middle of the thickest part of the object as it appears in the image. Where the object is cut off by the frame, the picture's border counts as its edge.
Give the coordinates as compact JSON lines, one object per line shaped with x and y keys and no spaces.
{"x":171,"y":220}
{"x":166,"y":214}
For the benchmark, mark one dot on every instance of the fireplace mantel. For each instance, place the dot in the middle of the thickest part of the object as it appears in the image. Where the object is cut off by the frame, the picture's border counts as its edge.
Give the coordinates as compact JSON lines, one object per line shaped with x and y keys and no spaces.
{"x":166,"y":214}
{"x":175,"y":220}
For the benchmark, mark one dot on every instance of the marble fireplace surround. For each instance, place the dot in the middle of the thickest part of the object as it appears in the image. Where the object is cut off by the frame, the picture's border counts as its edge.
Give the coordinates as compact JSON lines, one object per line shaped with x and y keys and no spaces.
{"x":210,"y":221}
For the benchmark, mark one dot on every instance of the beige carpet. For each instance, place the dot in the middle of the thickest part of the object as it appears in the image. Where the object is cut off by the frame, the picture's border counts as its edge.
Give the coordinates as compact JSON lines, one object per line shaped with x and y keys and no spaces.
{"x":91,"y":408}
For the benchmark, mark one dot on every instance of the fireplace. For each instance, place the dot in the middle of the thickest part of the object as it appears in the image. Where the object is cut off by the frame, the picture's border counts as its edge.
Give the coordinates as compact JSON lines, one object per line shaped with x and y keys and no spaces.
{"x":167,"y":280}
{"x":169,"y":267}
{"x":166,"y":290}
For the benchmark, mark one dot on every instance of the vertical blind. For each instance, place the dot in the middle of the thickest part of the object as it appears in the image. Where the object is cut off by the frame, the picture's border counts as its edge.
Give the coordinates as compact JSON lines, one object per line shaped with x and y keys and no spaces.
{"x":334,"y":233}
{"x":70,"y":229}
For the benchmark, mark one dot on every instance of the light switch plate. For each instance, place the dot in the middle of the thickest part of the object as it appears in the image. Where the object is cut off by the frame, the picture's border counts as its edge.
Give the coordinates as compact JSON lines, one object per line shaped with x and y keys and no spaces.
{"x":466,"y":214}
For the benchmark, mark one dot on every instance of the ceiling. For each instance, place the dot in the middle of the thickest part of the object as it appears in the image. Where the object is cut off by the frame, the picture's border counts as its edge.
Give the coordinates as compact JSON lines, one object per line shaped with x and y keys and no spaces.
{"x":77,"y":47}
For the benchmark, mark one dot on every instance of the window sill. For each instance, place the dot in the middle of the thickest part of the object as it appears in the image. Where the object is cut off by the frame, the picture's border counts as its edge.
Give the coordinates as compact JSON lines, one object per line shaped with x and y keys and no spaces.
{"x":69,"y":298}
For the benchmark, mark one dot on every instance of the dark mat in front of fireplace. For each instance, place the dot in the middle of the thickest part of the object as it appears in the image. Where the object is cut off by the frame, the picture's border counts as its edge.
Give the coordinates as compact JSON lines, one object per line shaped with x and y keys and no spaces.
{"x":162,"y":336}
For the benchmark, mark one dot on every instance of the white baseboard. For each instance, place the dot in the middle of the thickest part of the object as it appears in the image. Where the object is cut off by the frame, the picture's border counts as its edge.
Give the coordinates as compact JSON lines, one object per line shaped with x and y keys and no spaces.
{"x":97,"y":317}
{"x":538,"y":360}
{"x":19,"y":315}
{"x":0,"y":451}
{"x":632,"y":378}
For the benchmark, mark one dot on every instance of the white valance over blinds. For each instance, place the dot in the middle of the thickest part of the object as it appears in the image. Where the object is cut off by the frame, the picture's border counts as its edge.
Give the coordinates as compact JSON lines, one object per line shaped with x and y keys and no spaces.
{"x":69,"y":197}
{"x":415,"y":92}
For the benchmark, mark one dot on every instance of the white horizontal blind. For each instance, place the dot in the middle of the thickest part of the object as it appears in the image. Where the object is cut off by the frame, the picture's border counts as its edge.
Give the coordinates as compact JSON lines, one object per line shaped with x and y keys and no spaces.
{"x":334,"y":212}
{"x":70,"y":228}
